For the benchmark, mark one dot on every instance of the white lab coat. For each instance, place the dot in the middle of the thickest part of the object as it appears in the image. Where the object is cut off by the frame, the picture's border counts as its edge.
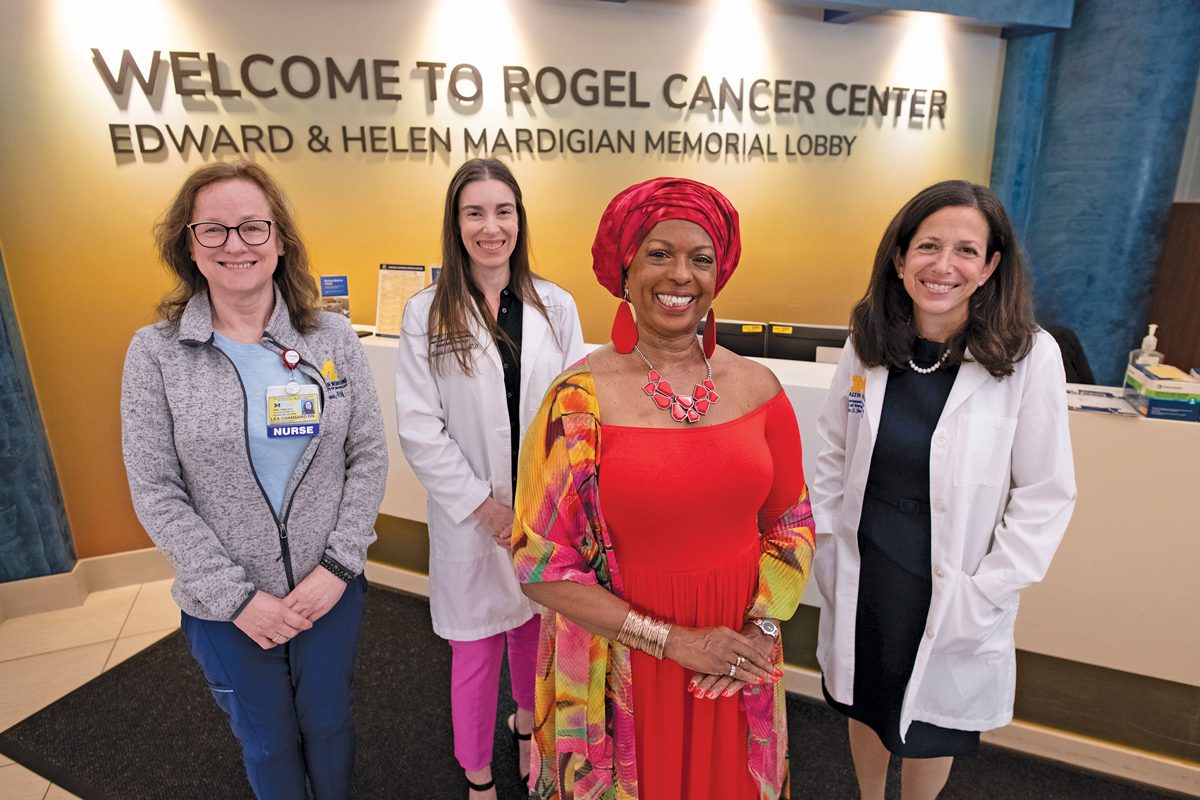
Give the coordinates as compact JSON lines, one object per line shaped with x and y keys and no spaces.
{"x":454,"y":432}
{"x":1001,"y":488}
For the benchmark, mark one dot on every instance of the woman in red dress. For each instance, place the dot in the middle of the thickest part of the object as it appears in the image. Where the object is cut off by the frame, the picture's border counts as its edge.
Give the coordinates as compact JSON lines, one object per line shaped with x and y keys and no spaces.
{"x":663,"y":521}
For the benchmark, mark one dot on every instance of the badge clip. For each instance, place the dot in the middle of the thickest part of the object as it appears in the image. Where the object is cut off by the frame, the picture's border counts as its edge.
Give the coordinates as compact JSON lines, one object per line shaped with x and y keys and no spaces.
{"x":291,"y":360}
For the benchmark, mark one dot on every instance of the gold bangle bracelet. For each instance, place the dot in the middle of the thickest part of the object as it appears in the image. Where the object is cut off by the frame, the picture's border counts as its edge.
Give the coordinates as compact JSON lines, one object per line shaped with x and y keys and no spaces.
{"x":644,"y":633}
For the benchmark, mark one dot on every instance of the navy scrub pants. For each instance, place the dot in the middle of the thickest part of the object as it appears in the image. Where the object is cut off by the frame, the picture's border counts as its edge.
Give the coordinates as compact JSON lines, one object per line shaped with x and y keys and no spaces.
{"x":289,"y":706}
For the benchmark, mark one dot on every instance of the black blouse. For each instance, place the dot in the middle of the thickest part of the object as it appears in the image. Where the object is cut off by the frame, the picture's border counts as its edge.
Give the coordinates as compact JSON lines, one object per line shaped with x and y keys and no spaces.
{"x":509,"y":321}
{"x":899,"y":474}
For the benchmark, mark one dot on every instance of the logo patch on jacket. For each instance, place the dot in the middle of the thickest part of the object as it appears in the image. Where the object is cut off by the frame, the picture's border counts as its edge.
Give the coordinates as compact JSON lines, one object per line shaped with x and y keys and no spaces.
{"x":333,"y":384}
{"x":858,"y":394}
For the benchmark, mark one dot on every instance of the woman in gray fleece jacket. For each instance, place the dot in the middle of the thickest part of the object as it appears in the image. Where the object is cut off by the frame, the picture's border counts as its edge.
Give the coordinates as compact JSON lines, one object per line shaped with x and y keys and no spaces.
{"x":256,"y":459}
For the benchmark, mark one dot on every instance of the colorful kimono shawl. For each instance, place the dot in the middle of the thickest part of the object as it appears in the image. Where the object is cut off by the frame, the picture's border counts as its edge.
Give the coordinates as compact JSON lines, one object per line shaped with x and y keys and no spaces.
{"x":583,"y":742}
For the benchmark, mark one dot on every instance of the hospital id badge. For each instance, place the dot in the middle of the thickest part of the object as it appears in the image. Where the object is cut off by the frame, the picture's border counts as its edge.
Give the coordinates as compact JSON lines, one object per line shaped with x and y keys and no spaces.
{"x":293,"y":410}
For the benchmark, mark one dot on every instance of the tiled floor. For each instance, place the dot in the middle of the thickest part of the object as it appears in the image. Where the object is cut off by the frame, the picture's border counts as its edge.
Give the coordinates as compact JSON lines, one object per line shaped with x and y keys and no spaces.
{"x":45,"y":656}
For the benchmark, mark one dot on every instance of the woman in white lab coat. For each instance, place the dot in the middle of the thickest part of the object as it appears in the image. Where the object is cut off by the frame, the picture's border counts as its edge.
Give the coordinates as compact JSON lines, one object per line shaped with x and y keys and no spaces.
{"x":943,"y":488}
{"x":478,"y":350}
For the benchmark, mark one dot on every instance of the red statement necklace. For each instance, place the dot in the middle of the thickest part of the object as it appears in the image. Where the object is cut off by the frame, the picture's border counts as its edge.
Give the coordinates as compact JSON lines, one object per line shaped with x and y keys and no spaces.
{"x":683,"y":407}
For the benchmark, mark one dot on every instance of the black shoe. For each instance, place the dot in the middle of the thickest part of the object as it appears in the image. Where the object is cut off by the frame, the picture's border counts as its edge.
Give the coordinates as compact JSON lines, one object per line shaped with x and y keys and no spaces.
{"x":517,"y":738}
{"x":481,"y":787}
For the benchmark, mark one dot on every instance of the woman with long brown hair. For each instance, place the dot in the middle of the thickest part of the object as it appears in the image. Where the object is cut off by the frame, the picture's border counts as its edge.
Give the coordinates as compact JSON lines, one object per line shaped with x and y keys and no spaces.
{"x":477,"y":351}
{"x":943,"y":489}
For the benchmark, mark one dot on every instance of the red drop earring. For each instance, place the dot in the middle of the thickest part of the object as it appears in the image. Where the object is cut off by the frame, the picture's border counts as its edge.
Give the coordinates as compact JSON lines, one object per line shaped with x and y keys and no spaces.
{"x":624,"y":328}
{"x":710,"y":333}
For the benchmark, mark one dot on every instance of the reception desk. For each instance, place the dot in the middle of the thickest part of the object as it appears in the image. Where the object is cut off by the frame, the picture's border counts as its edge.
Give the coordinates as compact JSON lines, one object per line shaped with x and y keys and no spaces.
{"x":1123,"y":589}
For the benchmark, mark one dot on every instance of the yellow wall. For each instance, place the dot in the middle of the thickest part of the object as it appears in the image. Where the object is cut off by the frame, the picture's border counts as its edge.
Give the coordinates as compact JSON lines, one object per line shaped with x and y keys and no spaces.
{"x":75,"y":220}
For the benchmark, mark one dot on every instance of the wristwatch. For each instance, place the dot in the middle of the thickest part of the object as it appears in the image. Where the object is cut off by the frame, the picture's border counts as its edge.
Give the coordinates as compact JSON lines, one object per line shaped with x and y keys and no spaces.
{"x":768,"y":627}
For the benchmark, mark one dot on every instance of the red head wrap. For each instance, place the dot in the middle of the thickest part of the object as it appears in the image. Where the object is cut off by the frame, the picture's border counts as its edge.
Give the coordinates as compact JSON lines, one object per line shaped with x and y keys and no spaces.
{"x":635,"y":211}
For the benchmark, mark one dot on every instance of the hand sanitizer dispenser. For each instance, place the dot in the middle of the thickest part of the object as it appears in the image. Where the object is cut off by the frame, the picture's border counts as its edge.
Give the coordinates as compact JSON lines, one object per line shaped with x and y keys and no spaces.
{"x":1147,"y":353}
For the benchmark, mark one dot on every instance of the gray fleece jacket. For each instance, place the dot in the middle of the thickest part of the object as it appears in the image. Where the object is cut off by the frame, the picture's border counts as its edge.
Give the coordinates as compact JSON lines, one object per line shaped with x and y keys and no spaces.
{"x":183,"y":431}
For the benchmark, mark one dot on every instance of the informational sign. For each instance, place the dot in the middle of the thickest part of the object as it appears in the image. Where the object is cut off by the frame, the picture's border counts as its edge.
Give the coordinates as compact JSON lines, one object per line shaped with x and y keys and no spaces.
{"x":335,"y":294}
{"x":397,"y":283}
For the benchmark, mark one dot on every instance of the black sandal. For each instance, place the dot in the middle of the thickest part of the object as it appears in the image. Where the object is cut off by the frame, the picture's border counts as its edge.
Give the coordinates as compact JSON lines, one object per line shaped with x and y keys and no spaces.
{"x":480,"y":787}
{"x":517,"y":738}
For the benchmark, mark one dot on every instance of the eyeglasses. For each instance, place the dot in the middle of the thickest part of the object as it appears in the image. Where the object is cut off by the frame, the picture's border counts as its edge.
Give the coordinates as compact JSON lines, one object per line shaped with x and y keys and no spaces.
{"x":213,"y":234}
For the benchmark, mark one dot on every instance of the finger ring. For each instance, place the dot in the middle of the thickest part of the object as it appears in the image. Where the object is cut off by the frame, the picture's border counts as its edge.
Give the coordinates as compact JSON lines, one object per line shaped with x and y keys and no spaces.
{"x":741,"y":660}
{"x":732,"y":670}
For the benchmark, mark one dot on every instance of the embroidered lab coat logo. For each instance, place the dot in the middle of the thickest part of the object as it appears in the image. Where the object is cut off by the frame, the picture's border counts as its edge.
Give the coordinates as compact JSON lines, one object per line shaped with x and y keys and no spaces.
{"x":328,"y":371}
{"x":858,"y":394}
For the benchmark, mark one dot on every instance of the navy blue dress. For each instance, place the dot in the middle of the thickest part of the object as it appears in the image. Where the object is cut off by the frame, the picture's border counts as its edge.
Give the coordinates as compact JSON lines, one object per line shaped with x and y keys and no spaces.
{"x":895,"y":581}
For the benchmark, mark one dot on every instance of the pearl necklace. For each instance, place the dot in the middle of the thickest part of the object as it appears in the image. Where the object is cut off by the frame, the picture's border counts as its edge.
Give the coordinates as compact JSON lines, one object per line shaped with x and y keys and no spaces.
{"x":928,"y":370}
{"x":683,"y":408}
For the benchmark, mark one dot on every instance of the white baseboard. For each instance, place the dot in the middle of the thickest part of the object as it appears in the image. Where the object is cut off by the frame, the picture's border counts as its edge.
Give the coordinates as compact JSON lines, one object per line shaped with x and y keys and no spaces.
{"x":68,"y":589}
{"x":1094,"y":755}
{"x":396,"y":578}
{"x":52,"y":592}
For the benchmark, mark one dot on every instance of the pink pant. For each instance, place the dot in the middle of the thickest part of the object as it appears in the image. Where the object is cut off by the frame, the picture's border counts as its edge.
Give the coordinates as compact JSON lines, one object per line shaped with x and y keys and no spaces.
{"x":475,"y":684}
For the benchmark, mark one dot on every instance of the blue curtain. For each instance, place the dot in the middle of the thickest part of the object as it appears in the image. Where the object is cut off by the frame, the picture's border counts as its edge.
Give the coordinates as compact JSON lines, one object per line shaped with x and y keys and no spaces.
{"x":1089,"y":137}
{"x":35,"y":538}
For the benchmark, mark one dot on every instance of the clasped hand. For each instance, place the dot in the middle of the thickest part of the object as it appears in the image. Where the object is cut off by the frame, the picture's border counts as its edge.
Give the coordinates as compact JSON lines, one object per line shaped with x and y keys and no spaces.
{"x":497,"y":520}
{"x":271,"y":621}
{"x":712,"y":651}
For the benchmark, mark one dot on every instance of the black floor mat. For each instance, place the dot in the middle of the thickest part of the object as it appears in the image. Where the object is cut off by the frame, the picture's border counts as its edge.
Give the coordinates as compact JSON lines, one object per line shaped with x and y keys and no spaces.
{"x":148,"y":728}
